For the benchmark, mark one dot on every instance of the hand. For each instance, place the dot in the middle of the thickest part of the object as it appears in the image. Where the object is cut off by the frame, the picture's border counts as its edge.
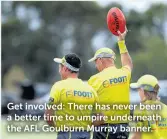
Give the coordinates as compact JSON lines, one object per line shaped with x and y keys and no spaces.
{"x":121,"y":37}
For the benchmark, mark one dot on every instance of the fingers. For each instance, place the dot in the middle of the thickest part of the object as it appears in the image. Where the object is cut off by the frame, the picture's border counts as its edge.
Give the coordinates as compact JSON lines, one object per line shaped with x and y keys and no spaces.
{"x":124,"y":33}
{"x":126,"y":29}
{"x":119,"y":32}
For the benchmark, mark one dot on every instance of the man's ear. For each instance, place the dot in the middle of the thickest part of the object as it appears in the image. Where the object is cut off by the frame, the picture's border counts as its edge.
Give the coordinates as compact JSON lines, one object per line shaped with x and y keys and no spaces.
{"x":101,"y":61}
{"x":98,"y":59}
{"x":65,"y":68}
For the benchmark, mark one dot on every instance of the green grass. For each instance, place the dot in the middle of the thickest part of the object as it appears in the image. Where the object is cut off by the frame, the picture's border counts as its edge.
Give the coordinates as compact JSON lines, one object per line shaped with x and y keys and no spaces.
{"x":7,"y":135}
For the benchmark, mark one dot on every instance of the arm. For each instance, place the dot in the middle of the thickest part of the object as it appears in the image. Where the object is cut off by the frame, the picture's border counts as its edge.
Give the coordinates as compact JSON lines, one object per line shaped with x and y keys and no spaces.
{"x":95,"y":83}
{"x":50,"y":113}
{"x":137,"y":123}
{"x":53,"y":100}
{"x":98,"y":122}
{"x":136,"y":135}
{"x":97,"y":112}
{"x":125,"y":57}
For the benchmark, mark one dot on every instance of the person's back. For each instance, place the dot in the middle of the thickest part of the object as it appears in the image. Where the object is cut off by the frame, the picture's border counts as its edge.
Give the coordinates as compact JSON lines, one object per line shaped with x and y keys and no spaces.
{"x":112,"y":87}
{"x":158,"y":128}
{"x":70,"y":92}
{"x":148,"y":89}
{"x":75,"y":96}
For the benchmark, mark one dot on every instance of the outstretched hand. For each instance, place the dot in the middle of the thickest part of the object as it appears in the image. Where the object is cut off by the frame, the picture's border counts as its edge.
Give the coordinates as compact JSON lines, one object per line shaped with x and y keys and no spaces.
{"x":122,"y":36}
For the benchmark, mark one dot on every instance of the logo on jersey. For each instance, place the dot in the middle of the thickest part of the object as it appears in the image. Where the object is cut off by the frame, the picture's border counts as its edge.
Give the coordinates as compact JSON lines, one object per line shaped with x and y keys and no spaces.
{"x":77,"y":93}
{"x":162,"y":123}
{"x":51,"y":101}
{"x":115,"y":81}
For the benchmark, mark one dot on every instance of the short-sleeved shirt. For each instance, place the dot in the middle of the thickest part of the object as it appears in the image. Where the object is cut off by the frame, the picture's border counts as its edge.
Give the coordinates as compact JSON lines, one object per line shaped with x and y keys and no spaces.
{"x":75,"y":91}
{"x":158,"y":128}
{"x":112,"y":87}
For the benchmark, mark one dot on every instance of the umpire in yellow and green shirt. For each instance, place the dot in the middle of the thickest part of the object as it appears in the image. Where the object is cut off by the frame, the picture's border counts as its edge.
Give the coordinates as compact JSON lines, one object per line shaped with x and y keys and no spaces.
{"x":73,"y":90}
{"x":112,"y":85}
{"x":148,"y":88}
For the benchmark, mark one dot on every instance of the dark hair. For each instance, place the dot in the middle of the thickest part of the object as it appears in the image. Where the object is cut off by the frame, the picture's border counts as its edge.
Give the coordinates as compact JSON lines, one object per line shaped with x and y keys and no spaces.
{"x":73,"y":60}
{"x":152,"y":95}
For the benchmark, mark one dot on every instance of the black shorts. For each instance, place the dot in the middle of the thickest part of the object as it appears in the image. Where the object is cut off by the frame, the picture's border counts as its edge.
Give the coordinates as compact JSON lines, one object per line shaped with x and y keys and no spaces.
{"x":73,"y":135}
{"x":111,"y":135}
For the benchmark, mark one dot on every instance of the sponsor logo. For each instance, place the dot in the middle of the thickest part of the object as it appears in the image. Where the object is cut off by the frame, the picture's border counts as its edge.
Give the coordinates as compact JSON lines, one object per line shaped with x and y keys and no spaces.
{"x":115,"y":81}
{"x":51,"y":100}
{"x":77,"y":93}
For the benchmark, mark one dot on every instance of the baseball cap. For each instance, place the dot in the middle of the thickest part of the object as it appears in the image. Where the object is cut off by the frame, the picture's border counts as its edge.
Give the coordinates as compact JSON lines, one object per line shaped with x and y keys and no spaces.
{"x":71,"y":61}
{"x":103,"y":53}
{"x":147,"y":82}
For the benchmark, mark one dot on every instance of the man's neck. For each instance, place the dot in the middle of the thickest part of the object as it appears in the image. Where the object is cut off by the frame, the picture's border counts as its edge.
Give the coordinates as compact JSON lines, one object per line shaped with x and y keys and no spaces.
{"x":72,"y":75}
{"x":108,"y":65}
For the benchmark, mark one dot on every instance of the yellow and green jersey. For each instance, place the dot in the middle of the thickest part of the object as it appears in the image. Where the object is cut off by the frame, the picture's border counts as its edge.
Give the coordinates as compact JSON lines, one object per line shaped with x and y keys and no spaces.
{"x":158,"y":128}
{"x":112,"y":87}
{"x":73,"y":90}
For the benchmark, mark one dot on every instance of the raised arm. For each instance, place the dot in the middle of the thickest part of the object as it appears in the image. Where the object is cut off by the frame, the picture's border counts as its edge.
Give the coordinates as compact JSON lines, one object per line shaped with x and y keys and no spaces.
{"x":125,"y":57}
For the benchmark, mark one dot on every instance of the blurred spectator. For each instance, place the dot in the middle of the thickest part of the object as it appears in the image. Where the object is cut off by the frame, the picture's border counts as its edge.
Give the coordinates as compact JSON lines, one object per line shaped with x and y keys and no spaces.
{"x":27,"y":90}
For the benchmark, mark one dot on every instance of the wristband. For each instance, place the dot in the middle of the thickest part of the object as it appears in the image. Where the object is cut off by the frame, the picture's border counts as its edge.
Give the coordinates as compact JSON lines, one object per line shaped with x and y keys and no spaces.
{"x":122,"y":47}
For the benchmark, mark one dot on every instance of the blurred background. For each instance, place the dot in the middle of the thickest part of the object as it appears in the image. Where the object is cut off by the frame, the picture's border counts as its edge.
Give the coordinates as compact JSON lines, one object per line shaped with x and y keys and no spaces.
{"x":34,"y":32}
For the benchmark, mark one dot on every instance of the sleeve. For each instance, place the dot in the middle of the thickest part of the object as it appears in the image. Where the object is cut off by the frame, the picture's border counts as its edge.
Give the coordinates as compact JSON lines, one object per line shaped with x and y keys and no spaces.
{"x":95,"y":111}
{"x":54,"y":97}
{"x":94,"y":83}
{"x":127,"y":70}
{"x":96,"y":96}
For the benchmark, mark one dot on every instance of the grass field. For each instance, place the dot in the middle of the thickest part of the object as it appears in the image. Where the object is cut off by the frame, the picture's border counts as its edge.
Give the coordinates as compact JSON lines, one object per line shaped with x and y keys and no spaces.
{"x":40,"y":135}
{"x":7,"y":135}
